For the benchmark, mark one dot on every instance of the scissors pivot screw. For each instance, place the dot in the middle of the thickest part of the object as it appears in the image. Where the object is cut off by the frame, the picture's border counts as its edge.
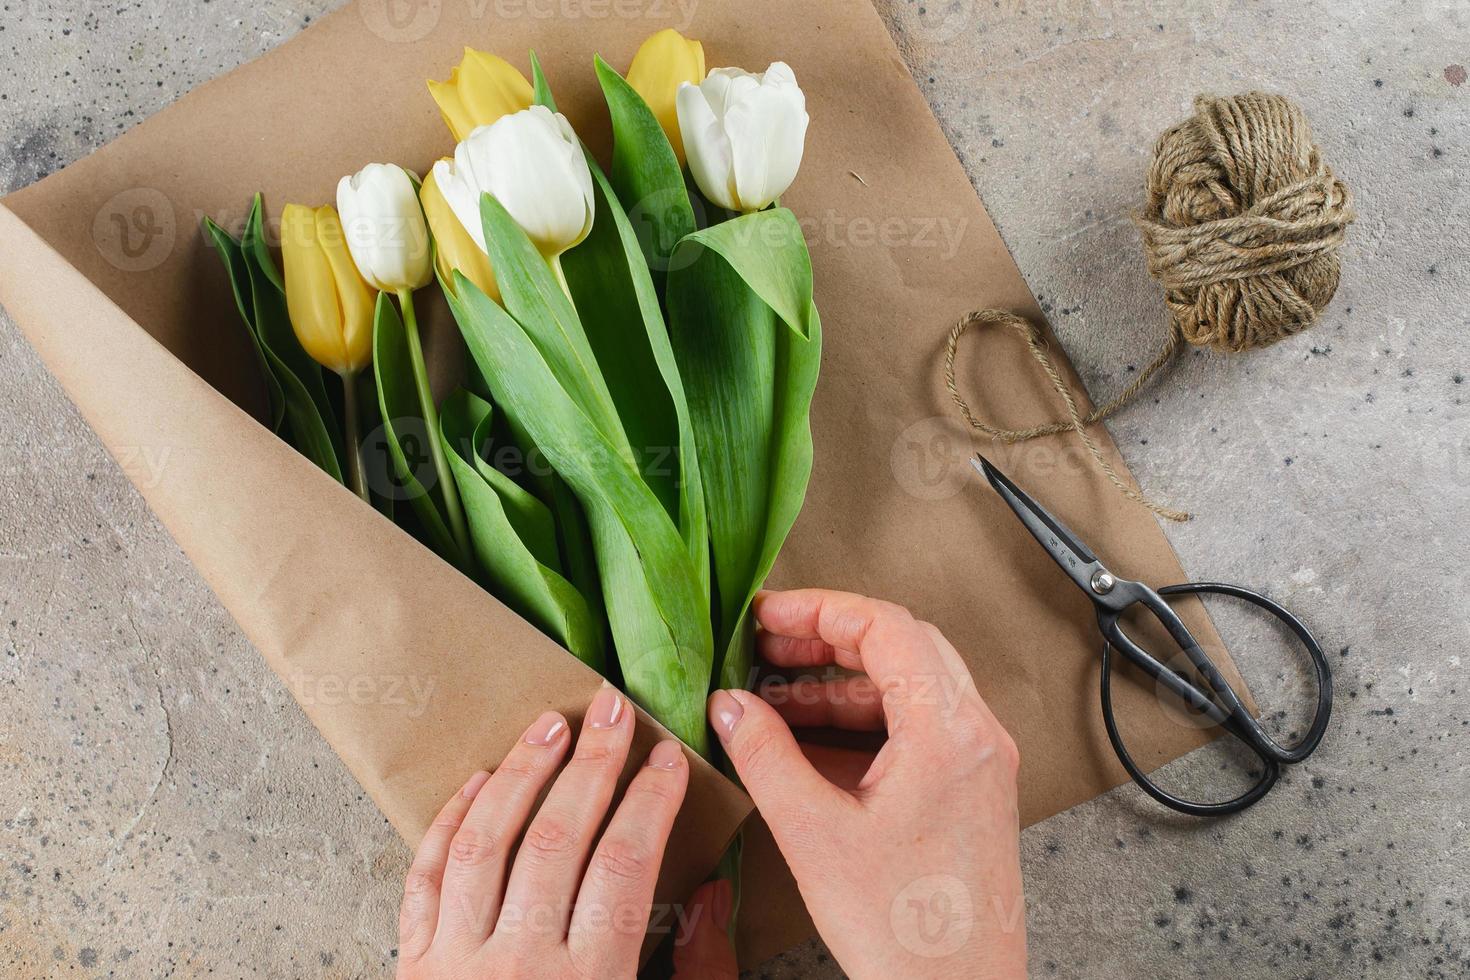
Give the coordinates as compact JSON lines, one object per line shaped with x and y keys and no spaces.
{"x":1103,"y":581}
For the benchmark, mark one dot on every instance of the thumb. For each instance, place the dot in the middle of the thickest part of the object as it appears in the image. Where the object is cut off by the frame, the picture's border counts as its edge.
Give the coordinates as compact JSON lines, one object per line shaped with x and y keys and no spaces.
{"x":787,"y":790}
{"x":702,"y":950}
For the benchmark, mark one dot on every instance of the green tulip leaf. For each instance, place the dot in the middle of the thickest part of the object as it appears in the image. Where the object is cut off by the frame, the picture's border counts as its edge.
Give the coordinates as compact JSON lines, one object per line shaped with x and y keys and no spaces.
{"x":300,"y":409}
{"x":645,"y":173}
{"x":610,"y":281}
{"x":233,"y":258}
{"x":513,"y":535}
{"x":540,"y":88}
{"x":379,"y":466}
{"x":747,"y":337}
{"x":405,"y":432}
{"x":529,"y":469}
{"x":535,"y":298}
{"x":658,"y":612}
{"x":273,"y":321}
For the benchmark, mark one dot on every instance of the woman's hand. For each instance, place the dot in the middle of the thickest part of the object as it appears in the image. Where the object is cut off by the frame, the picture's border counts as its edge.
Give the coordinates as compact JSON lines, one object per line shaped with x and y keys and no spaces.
{"x":914,"y":872}
{"x":563,"y":903}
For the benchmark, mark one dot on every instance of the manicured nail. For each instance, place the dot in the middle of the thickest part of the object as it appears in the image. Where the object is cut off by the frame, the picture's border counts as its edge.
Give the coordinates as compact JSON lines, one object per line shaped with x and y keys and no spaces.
{"x":720,"y":903}
{"x":547,"y":730}
{"x":606,"y":709}
{"x":666,"y":755}
{"x":473,"y":787}
{"x":724,"y":714}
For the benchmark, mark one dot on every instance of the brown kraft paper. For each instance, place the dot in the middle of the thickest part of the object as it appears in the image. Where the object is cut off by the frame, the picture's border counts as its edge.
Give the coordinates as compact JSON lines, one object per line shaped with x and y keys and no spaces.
{"x":106,"y":273}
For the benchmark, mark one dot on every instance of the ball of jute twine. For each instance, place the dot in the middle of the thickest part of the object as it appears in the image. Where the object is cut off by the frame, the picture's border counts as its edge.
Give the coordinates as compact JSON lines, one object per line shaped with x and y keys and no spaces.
{"x":1241,"y":229}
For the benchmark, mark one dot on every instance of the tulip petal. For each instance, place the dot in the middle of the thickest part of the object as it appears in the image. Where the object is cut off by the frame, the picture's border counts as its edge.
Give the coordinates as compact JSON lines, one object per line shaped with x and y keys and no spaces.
{"x":537,"y":172}
{"x":533,"y":164}
{"x":663,"y":63}
{"x":355,"y":298}
{"x":451,"y":106}
{"x":311,"y":291}
{"x":710,"y":158}
{"x":767,"y":133}
{"x":490,"y":88}
{"x":385,"y":227}
{"x":456,"y":249}
{"x":455,"y":179}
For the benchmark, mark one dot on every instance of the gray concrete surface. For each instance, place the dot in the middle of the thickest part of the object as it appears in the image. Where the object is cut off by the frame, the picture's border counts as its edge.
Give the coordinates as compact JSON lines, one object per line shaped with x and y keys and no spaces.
{"x":166,"y":809}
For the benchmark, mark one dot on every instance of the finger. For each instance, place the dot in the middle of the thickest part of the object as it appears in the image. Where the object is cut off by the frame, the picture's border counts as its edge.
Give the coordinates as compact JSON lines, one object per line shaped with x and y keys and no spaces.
{"x":613,"y":905}
{"x":795,"y":800}
{"x":474,"y":875}
{"x":795,"y":652}
{"x":548,"y":864}
{"x":419,"y":913}
{"x":878,"y":638}
{"x":850,"y":703}
{"x":702,"y":950}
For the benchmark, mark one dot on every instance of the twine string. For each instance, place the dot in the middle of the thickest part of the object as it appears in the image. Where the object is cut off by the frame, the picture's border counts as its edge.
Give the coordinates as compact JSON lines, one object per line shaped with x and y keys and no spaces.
{"x":1242,"y":229}
{"x":1075,"y":421}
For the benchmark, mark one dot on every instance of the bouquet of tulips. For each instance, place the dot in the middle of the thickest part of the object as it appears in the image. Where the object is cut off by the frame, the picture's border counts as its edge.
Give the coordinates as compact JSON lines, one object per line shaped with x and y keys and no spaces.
{"x":631,"y":444}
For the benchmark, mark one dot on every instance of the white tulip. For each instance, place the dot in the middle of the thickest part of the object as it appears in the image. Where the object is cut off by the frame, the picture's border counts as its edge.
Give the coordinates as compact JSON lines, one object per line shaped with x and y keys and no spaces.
{"x":532,"y":163}
{"x":744,"y":134}
{"x":385,"y":228}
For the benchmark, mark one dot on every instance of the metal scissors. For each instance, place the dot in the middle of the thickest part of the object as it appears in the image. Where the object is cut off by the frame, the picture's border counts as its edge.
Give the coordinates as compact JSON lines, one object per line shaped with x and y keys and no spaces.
{"x":1209,"y":695}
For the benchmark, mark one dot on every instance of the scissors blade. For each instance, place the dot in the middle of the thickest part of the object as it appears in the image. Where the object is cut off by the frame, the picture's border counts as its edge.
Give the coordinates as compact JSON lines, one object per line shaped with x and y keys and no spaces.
{"x":1065,"y":548}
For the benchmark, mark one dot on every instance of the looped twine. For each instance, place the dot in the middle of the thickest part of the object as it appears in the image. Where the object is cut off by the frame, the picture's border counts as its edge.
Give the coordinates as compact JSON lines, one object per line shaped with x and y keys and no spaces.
{"x":1242,"y":229}
{"x":1075,"y":421}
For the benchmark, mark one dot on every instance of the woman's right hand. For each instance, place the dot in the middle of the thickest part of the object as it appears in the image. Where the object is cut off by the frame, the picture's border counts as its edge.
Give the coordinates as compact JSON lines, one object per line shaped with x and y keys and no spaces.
{"x":916,"y":871}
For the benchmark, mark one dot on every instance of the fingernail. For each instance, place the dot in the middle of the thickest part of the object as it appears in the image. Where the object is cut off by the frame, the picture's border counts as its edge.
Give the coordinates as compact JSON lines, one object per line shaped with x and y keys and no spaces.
{"x":666,"y":755}
{"x":720,"y":903}
{"x":473,"y":787}
{"x":724,"y":714}
{"x":606,"y":709}
{"x":548,"y":729}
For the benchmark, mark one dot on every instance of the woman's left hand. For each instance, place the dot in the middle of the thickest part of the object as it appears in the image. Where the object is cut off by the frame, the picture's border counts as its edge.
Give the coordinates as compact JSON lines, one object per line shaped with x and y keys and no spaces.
{"x":561,"y":902}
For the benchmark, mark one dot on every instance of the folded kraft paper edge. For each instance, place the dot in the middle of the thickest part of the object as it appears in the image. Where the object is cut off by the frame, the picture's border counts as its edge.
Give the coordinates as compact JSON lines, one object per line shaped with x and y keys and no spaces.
{"x":146,"y":353}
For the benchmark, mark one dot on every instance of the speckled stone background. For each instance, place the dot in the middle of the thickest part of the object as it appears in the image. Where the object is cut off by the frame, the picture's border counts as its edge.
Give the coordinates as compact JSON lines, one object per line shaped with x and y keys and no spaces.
{"x":166,"y":809}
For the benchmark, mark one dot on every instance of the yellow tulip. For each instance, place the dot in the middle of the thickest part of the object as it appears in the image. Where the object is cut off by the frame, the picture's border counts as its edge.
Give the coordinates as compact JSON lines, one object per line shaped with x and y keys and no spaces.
{"x":331,"y":305}
{"x":665,"y":61}
{"x":455,"y":249}
{"x":481,"y":89}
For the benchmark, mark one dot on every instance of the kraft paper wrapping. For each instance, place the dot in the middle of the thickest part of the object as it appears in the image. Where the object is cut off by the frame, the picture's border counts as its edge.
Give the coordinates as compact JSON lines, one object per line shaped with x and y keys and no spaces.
{"x":108,"y":276}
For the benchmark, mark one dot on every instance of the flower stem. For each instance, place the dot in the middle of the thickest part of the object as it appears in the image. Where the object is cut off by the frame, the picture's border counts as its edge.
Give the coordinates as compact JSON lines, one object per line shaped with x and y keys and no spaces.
{"x":448,"y":491}
{"x":356,"y":471}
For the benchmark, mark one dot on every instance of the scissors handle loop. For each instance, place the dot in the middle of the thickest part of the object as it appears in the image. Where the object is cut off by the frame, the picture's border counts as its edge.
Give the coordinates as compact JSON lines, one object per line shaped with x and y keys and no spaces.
{"x":1221,"y":703}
